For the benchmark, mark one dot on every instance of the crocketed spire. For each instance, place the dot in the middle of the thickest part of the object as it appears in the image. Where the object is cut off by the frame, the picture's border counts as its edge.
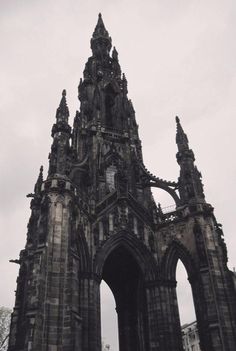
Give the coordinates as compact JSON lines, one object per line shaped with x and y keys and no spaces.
{"x":181,"y":137}
{"x":190,"y":183}
{"x":62,"y":111}
{"x":101,"y":41}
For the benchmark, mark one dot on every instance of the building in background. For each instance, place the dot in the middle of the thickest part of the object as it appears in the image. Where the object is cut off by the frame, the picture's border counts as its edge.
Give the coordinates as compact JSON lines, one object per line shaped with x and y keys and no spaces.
{"x":190,"y":337}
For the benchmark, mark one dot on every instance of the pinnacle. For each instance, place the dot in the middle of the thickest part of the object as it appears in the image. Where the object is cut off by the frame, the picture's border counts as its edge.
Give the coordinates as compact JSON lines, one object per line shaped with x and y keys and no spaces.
{"x":39,"y":182}
{"x":41,"y":172}
{"x":181,"y":137}
{"x":63,"y":108}
{"x":115,"y":54}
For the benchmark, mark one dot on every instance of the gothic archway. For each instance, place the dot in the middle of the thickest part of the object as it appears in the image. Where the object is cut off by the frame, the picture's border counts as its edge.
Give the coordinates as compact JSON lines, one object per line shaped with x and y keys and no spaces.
{"x":125,"y":265}
{"x":135,"y":247}
{"x":175,"y":252}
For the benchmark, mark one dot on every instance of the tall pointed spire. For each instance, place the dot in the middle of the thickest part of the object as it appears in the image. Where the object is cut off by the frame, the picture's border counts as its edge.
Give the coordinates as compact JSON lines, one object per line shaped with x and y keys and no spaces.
{"x":190,"y":184}
{"x":182,"y":143}
{"x":101,"y":41}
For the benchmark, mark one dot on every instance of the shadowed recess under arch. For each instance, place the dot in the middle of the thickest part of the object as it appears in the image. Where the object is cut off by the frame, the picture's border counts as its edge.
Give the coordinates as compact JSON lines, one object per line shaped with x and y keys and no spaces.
{"x":136,"y":249}
{"x":177,"y":251}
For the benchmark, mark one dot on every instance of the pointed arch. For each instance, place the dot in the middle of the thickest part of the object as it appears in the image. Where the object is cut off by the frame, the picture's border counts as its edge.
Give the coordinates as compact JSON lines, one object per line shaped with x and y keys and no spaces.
{"x":175,"y":251}
{"x":137,"y":249}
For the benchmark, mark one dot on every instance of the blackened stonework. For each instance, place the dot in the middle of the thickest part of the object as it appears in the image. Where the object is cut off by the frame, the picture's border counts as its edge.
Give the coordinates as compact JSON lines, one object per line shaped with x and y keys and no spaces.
{"x":94,"y":218}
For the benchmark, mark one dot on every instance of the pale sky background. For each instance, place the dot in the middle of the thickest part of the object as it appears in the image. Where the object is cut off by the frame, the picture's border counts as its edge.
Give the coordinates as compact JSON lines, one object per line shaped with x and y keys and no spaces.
{"x":179,"y":59}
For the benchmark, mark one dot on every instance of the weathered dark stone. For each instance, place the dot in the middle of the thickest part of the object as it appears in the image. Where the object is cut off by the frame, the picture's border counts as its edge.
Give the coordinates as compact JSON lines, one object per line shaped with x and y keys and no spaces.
{"x":94,"y":218}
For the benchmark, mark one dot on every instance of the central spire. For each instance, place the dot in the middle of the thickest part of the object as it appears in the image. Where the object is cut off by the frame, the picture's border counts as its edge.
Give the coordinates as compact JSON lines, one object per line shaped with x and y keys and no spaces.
{"x":101,"y":41}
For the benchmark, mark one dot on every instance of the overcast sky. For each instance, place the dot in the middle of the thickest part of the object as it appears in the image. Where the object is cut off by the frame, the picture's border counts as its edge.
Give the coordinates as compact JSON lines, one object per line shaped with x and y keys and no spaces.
{"x":179,"y":59}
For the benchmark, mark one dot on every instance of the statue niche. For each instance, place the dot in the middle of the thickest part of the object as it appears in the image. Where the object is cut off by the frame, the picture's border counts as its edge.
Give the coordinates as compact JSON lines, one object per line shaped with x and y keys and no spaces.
{"x":110,"y":107}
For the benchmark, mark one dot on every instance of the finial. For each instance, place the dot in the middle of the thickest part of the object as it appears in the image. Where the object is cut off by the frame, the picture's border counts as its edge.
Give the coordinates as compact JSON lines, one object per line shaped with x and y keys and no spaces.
{"x":177,"y":119}
{"x":64,"y":92}
{"x":99,"y":15}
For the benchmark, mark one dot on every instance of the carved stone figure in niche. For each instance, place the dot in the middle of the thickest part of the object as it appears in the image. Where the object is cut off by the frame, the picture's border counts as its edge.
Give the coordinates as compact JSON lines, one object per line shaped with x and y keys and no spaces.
{"x":200,"y":243}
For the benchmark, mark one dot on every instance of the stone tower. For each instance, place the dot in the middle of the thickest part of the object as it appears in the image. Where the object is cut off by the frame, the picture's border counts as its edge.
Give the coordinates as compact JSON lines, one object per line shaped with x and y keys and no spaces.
{"x":94,"y":218}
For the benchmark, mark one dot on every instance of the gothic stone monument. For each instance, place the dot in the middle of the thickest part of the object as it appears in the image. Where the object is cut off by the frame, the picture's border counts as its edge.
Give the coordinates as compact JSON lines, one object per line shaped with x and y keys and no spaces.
{"x":94,"y":218}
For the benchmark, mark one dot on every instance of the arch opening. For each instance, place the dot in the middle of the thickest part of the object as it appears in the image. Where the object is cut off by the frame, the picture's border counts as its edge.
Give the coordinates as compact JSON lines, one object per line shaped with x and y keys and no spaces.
{"x":186,"y":309}
{"x":109,"y":323}
{"x":124,"y":277}
{"x":163,"y":198}
{"x":184,"y":295}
